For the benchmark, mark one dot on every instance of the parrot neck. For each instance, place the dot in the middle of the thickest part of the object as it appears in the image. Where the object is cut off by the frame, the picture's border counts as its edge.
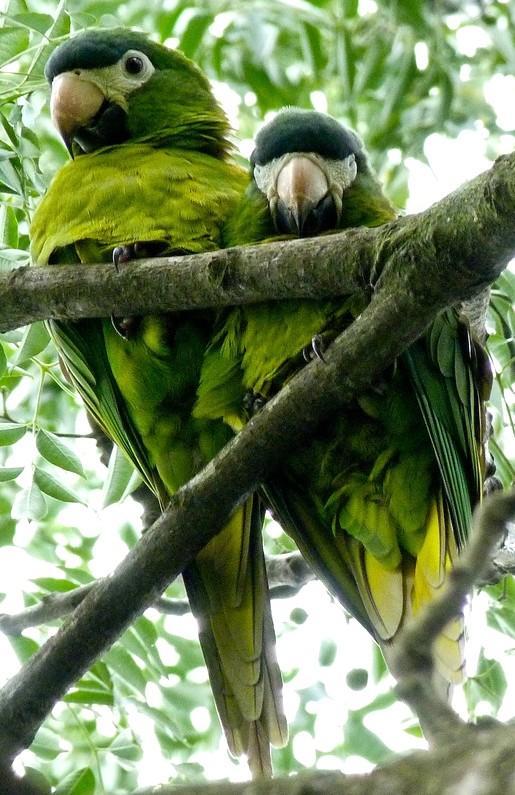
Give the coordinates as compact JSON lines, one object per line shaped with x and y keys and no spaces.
{"x":364,"y":204}
{"x":186,"y":116}
{"x":201,"y":135}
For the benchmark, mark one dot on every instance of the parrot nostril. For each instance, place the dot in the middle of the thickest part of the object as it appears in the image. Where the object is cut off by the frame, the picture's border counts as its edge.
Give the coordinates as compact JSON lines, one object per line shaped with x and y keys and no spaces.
{"x":77,"y":72}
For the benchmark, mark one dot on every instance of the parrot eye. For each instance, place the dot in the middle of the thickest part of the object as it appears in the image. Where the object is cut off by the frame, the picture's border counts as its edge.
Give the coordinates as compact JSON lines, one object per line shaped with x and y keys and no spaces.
{"x":133,"y":65}
{"x":137,"y":65}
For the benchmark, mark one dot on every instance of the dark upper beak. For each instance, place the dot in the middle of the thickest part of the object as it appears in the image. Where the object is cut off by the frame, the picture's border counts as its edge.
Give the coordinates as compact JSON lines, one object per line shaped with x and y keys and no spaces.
{"x":304,"y":205}
{"x":74,"y":102}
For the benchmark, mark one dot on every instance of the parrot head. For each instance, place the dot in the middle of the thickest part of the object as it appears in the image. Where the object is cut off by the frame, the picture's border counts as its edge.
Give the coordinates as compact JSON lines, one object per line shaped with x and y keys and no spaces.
{"x":315,"y":175}
{"x":112,"y":86}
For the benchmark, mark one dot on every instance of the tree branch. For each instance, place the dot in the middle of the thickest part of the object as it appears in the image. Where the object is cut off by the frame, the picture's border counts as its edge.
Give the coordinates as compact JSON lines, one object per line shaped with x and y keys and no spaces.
{"x":481,"y":761}
{"x":419,"y":277}
{"x":286,"y":575}
{"x":472,"y":225}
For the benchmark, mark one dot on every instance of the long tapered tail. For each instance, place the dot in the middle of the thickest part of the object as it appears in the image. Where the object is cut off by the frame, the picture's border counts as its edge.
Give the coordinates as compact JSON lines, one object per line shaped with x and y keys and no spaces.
{"x":228,"y":591}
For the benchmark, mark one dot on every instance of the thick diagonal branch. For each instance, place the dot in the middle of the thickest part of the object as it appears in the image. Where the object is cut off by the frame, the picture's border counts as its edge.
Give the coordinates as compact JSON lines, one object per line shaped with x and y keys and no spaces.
{"x":471,"y":228}
{"x":416,"y":282}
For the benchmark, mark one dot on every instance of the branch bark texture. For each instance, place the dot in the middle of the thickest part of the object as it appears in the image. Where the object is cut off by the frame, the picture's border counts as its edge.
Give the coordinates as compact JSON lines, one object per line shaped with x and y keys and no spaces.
{"x":479,"y":762}
{"x":471,"y":228}
{"x":426,"y":262}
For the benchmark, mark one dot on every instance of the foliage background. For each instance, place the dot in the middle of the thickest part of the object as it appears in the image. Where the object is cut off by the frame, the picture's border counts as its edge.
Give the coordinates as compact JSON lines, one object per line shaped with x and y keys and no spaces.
{"x":425,"y":84}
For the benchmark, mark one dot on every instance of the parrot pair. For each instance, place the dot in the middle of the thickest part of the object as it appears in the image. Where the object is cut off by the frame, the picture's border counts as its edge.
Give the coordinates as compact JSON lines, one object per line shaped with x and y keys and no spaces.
{"x":379,"y":502}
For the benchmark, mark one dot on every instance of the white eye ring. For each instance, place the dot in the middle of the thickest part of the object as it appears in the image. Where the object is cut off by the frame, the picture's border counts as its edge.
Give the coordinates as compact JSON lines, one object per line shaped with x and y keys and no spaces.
{"x":137,"y":66}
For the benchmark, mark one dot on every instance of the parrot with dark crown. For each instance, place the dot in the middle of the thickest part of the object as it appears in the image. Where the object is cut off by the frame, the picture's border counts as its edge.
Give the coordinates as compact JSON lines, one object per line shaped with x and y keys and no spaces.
{"x":151,"y":173}
{"x":380,"y":500}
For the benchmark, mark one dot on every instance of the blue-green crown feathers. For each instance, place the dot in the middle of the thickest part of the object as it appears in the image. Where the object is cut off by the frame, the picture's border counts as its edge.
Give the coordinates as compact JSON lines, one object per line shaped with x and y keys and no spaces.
{"x":296,"y":130}
{"x":94,"y":49}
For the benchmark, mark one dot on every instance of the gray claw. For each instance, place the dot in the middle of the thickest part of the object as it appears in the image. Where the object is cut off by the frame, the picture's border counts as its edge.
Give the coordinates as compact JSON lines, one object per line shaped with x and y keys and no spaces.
{"x":252,"y":402}
{"x":315,"y":350}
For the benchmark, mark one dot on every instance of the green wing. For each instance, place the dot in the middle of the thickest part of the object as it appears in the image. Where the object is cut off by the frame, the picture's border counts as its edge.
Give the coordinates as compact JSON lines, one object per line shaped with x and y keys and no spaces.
{"x":82,"y":350}
{"x":445,"y":376}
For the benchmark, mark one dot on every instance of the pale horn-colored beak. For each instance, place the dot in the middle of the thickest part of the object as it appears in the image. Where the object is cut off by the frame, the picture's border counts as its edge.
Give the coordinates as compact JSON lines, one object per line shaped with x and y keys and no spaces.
{"x":301,"y":186}
{"x":74,"y":102}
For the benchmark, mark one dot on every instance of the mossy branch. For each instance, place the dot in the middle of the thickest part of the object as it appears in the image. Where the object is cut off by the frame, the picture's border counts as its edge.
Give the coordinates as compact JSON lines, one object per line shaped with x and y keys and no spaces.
{"x":469,"y":233}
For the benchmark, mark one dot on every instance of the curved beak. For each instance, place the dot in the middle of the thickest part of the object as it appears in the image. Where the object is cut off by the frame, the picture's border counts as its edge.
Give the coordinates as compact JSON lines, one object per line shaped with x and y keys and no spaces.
{"x":301,"y":186}
{"x":74,"y":102}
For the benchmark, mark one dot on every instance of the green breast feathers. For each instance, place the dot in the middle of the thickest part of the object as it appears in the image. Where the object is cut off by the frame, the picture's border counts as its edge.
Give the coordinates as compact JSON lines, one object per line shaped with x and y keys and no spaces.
{"x":141,"y":190}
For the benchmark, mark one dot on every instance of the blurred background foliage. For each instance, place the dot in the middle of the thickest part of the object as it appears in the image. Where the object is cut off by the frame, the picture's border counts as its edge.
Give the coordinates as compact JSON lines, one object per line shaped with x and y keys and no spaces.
{"x":413,"y":77}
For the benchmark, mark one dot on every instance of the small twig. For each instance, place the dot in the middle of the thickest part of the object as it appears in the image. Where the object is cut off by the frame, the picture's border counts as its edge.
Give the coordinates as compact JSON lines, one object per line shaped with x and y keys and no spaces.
{"x":50,"y":608}
{"x":287,"y":574}
{"x":172,"y":607}
{"x":74,"y":435}
{"x":412,"y":659}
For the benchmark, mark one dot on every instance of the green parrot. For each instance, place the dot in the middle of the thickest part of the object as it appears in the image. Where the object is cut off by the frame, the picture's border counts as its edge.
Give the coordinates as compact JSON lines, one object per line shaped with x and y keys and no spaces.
{"x":151,"y":173}
{"x":380,"y":500}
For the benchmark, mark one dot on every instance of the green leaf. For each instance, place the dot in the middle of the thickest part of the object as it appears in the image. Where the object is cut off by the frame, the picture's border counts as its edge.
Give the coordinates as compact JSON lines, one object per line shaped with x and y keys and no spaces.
{"x":49,"y":485}
{"x":15,"y":7}
{"x":40,"y":783}
{"x":9,"y":129}
{"x":124,"y":666}
{"x":35,"y":340}
{"x":46,"y":744}
{"x":135,"y":481}
{"x":81,"y":782}
{"x":327,"y":652}
{"x":13,"y":41}
{"x":14,"y":336}
{"x":56,"y":452}
{"x":139,"y":640}
{"x":124,"y":747}
{"x":38,"y":22}
{"x":119,"y":474}
{"x":357,"y":679}
{"x":194,"y":31}
{"x":29,"y":504}
{"x":11,"y":258}
{"x":3,"y":360}
{"x":360,"y":740}
{"x":8,"y":175}
{"x":86,"y":695}
{"x":489,"y":684}
{"x":23,"y":647}
{"x":8,"y":227}
{"x":9,"y":473}
{"x":54,"y":584}
{"x":60,"y":27}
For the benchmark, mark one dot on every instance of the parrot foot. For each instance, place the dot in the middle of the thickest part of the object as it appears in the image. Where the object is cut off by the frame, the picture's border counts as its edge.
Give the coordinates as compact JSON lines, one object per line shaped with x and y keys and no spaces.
{"x":124,"y":326}
{"x":122,"y":254}
{"x":491,"y":485}
{"x":318,"y":346}
{"x":140,"y":250}
{"x":253,"y":402}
